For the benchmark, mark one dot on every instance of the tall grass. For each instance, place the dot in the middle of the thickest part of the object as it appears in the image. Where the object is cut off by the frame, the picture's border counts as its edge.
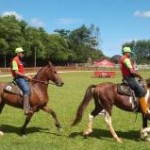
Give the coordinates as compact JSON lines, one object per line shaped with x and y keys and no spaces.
{"x":41,"y":131}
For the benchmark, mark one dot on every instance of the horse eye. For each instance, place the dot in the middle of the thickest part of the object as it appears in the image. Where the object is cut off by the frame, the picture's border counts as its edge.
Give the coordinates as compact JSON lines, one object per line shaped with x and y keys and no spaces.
{"x":55,"y":71}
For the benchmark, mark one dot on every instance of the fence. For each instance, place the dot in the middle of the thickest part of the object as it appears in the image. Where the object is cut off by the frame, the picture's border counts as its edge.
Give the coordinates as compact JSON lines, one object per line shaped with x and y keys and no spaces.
{"x":92,"y":68}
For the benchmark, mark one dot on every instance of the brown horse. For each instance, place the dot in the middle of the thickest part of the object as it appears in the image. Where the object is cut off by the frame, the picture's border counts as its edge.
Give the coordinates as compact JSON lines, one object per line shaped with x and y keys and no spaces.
{"x":39,"y":96}
{"x":105,"y":96}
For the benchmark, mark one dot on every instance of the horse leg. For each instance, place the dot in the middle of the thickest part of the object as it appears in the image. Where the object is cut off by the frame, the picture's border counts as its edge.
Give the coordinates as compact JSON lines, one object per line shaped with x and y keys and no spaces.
{"x":93,"y":114}
{"x":145,"y":130}
{"x":50,"y":111}
{"x":109,"y":124}
{"x":144,"y":121}
{"x":27,"y":120}
{"x":88,"y":129}
{"x":1,"y":108}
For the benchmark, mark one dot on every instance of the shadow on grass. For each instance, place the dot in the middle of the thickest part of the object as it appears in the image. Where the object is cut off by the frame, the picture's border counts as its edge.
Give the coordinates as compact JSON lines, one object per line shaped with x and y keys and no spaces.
{"x":100,"y":133}
{"x":29,"y":130}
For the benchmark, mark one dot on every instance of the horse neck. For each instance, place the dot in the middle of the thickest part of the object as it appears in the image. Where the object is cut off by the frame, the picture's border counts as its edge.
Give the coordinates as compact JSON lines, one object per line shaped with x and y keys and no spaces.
{"x":41,"y":77}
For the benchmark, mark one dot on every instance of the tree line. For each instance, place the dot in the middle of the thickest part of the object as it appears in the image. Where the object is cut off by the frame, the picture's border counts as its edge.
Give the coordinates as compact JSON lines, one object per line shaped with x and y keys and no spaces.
{"x":61,"y":47}
{"x":141,"y":51}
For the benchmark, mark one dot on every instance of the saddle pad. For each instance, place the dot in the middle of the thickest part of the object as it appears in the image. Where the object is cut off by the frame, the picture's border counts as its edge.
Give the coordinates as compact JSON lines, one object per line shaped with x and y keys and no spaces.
{"x":13,"y":89}
{"x":124,"y":89}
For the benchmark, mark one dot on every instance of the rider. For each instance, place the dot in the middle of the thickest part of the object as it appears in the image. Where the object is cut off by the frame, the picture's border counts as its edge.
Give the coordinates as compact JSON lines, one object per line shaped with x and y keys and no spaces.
{"x":129,"y":73}
{"x":17,"y":70}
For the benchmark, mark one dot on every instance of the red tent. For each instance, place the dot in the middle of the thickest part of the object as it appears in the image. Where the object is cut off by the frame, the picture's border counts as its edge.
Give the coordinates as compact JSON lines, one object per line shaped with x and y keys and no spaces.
{"x":104,"y":63}
{"x":103,"y":72}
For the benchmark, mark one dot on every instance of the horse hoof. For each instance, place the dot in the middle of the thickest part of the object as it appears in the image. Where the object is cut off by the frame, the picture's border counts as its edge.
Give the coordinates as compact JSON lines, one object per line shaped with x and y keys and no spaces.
{"x":86,"y":133}
{"x":146,"y":139}
{"x":119,"y":140}
{"x":1,"y":133}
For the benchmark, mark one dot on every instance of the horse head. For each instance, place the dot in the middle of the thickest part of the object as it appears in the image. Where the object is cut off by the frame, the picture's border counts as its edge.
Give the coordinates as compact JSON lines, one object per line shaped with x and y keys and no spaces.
{"x":47,"y":73}
{"x":53,"y":75}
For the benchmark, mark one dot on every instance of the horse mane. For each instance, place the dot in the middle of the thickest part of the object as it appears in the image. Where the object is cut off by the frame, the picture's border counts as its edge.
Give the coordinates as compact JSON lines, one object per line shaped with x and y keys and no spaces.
{"x":40,"y":72}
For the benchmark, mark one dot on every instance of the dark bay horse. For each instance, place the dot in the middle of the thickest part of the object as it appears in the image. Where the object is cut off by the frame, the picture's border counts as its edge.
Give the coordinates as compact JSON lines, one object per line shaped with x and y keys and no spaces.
{"x":39,"y":96}
{"x":105,"y":96}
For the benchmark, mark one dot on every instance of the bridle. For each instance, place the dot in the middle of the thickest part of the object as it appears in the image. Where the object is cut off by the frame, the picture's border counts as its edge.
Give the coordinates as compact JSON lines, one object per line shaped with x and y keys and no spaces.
{"x":44,"y":82}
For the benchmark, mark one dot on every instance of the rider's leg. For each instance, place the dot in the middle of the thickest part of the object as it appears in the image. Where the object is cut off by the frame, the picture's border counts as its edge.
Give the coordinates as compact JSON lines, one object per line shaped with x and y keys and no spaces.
{"x":139,"y":92}
{"x":143,"y":102}
{"x":143,"y":105}
{"x":26,"y":92}
{"x":26,"y":105}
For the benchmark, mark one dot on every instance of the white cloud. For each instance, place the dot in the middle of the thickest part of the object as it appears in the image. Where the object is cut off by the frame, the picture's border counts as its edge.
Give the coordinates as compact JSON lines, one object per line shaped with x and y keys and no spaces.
{"x":37,"y":22}
{"x":144,"y":14}
{"x":66,"y":21}
{"x":9,"y":13}
{"x":34,"y":22}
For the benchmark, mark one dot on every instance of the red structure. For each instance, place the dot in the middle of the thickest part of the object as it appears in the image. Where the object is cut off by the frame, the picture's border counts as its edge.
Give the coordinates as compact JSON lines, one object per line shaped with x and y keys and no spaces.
{"x":104,"y":74}
{"x":104,"y":63}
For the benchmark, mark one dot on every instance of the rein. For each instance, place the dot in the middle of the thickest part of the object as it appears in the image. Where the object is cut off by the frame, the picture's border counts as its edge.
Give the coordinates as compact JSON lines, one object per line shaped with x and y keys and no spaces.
{"x":44,"y":82}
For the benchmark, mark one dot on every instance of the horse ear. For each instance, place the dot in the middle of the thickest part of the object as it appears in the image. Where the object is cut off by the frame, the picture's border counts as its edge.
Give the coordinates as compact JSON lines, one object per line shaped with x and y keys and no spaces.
{"x":50,"y":63}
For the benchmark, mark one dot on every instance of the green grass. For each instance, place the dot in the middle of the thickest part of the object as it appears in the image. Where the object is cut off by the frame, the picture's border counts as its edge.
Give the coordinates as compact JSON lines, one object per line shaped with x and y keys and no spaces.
{"x":42,"y":134}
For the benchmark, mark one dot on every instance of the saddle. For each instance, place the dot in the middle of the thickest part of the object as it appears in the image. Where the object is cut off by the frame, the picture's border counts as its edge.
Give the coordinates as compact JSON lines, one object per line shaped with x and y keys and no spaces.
{"x":12,"y":88}
{"x":124,"y":89}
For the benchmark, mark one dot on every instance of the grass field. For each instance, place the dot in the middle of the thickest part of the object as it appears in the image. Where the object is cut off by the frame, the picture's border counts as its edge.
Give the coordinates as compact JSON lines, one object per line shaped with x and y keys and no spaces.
{"x":42,"y":134}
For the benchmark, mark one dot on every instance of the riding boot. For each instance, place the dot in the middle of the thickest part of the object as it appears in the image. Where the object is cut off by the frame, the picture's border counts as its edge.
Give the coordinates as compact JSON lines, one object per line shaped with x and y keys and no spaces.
{"x":144,"y":107}
{"x":26,"y":105}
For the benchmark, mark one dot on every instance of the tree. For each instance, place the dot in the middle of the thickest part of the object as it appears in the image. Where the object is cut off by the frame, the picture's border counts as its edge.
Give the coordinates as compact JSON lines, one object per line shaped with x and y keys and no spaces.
{"x":11,"y":30}
{"x":3,"y":49}
{"x":57,"y":49}
{"x":84,"y":43}
{"x":141,"y":49}
{"x":64,"y":46}
{"x":63,"y":33}
{"x":95,"y":36}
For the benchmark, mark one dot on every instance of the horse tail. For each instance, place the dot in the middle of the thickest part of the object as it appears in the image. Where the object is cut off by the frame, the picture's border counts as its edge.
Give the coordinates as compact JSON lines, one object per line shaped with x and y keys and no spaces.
{"x":87,"y":97}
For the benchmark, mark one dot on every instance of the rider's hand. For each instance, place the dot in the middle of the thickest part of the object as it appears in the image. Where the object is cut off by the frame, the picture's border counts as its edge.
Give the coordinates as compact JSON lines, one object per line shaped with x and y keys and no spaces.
{"x":29,"y":77}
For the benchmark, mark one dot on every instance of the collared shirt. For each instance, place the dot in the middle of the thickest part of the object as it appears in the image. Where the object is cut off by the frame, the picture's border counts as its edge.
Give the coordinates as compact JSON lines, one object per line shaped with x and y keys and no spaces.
{"x":125,"y":65}
{"x":17,"y":65}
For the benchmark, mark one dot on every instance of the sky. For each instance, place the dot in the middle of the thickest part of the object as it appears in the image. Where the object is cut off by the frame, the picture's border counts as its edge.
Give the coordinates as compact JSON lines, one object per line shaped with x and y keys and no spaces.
{"x":119,"y":21}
